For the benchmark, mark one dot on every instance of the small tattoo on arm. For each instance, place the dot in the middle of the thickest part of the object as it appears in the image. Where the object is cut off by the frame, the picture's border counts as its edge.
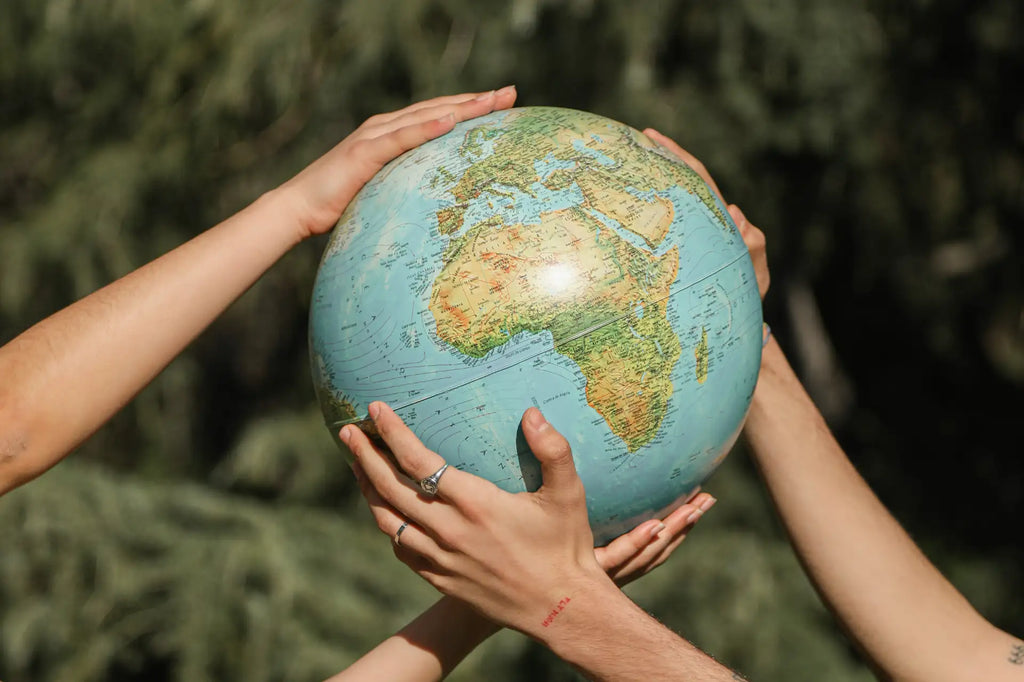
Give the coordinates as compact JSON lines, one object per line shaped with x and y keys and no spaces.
{"x":1017,"y":654}
{"x":559,"y":607}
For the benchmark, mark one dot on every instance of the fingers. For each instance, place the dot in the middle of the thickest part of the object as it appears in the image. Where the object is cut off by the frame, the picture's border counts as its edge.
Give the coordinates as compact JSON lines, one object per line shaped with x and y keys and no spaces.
{"x":418,"y":461}
{"x":390,"y":522}
{"x":755,"y":241}
{"x":503,"y":99}
{"x":624,"y":568}
{"x":460,"y":107}
{"x":385,"y":136}
{"x":392,"y":486}
{"x":376,"y":151}
{"x":613,"y":556}
{"x":751,"y":234}
{"x":688,"y":158}
{"x":382,"y":119}
{"x":558,"y":470}
{"x":678,"y":525}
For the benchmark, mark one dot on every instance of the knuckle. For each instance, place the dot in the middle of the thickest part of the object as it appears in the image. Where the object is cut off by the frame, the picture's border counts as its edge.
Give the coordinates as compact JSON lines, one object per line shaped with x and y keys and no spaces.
{"x":559,"y":451}
{"x":386,"y":427}
{"x":562,"y":450}
{"x":438,"y":582}
{"x":376,"y":119}
{"x":381,"y":517}
{"x":441,"y":562}
{"x":406,"y":556}
{"x":361,"y":147}
{"x":475,"y":513}
{"x":388,"y":490}
{"x":636,"y":544}
{"x":450,"y":537}
{"x":414,"y":463}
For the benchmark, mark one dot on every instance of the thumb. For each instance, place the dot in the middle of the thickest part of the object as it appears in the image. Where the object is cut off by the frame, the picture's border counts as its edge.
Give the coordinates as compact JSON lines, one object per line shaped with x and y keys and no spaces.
{"x":552,"y":450}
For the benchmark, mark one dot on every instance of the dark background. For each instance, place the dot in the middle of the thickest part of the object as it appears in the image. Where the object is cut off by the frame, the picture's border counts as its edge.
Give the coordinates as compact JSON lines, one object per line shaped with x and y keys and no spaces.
{"x":211,"y":531}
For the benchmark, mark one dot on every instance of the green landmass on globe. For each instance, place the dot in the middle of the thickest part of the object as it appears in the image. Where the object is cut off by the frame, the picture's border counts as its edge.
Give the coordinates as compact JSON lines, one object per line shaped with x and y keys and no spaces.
{"x":550,"y":257}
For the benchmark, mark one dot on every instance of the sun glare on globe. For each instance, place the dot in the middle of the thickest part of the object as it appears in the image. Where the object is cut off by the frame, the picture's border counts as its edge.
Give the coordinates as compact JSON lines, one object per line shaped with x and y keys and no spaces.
{"x":553,"y":258}
{"x":558,"y":279}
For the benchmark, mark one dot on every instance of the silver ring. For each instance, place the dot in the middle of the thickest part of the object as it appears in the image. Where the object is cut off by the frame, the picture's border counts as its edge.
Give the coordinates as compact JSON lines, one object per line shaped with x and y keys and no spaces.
{"x":398,"y":533}
{"x":429,"y":484}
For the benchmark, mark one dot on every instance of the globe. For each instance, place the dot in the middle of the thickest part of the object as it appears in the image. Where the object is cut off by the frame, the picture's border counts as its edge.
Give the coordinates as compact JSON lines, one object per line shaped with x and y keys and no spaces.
{"x":549,"y":257}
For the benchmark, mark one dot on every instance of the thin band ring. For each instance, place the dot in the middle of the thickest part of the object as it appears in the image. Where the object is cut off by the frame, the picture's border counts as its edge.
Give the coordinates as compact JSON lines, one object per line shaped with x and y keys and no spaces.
{"x":398,"y":533}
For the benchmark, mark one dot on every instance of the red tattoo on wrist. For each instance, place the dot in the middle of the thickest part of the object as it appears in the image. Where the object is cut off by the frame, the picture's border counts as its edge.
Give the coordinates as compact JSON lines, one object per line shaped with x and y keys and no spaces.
{"x":559,"y":607}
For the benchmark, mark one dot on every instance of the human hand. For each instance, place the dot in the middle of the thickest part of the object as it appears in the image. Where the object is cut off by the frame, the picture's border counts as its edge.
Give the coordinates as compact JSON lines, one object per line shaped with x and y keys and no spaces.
{"x":641,"y":550}
{"x":752,"y":236}
{"x":320,"y":193}
{"x":514,"y":557}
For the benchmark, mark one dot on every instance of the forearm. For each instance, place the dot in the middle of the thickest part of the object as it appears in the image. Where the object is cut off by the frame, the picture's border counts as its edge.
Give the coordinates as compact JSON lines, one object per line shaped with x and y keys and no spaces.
{"x":907,"y":618}
{"x":426,"y":649}
{"x":610,"y":639}
{"x":61,"y":379}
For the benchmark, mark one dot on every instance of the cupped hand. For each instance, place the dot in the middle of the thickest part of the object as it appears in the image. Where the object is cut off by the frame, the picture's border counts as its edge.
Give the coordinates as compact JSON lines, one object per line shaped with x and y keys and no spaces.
{"x":514,"y":557}
{"x":320,"y":192}
{"x":641,"y":550}
{"x":752,"y":236}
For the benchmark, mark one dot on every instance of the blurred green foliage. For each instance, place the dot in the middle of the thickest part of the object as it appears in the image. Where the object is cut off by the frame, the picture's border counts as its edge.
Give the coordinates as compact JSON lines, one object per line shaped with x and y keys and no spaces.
{"x":211,"y":531}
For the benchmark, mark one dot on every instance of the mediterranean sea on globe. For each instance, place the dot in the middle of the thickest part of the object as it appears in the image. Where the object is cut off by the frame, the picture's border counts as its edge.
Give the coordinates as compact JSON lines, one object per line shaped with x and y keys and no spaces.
{"x":548,"y":257}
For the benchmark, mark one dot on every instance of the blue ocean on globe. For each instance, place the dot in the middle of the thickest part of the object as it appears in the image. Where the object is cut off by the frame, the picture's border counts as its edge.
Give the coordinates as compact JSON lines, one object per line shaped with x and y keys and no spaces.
{"x":547,"y":257}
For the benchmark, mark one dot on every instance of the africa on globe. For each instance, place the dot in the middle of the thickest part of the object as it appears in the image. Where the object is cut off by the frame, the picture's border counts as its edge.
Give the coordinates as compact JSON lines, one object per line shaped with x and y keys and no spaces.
{"x":548,"y":257}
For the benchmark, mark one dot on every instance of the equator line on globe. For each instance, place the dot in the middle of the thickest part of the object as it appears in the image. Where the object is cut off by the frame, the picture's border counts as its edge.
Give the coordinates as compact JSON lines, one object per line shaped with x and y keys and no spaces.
{"x":549,"y":257}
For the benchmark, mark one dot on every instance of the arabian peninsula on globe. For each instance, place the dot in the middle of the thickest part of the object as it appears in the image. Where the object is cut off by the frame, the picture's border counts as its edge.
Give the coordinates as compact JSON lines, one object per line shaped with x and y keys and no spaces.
{"x":548,"y":257}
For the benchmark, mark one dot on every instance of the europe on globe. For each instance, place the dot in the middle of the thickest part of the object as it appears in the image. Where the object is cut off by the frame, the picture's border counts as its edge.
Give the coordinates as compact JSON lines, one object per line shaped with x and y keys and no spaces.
{"x":548,"y":257}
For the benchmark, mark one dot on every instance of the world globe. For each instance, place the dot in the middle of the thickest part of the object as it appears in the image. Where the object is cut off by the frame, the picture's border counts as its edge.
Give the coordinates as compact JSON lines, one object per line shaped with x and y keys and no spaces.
{"x":548,"y":257}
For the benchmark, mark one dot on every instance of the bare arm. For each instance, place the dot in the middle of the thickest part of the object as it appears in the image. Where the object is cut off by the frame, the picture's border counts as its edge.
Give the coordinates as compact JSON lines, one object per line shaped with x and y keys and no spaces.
{"x":609,"y":638}
{"x":425,"y":650}
{"x":63,"y":378}
{"x":906,"y":617}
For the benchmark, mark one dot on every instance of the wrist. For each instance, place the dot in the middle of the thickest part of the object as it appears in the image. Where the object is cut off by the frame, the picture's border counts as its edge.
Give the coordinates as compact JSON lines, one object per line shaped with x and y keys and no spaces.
{"x":287,"y":209}
{"x":562,"y":623}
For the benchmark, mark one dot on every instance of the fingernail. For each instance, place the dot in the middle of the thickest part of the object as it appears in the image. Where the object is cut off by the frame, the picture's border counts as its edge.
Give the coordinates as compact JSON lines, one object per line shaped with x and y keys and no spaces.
{"x":486,"y":95}
{"x":708,"y":504}
{"x":447,"y":118}
{"x":345,"y":434}
{"x":694,"y":516}
{"x":654,"y":530}
{"x":536,"y":420}
{"x":507,"y":90}
{"x":374,"y":410}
